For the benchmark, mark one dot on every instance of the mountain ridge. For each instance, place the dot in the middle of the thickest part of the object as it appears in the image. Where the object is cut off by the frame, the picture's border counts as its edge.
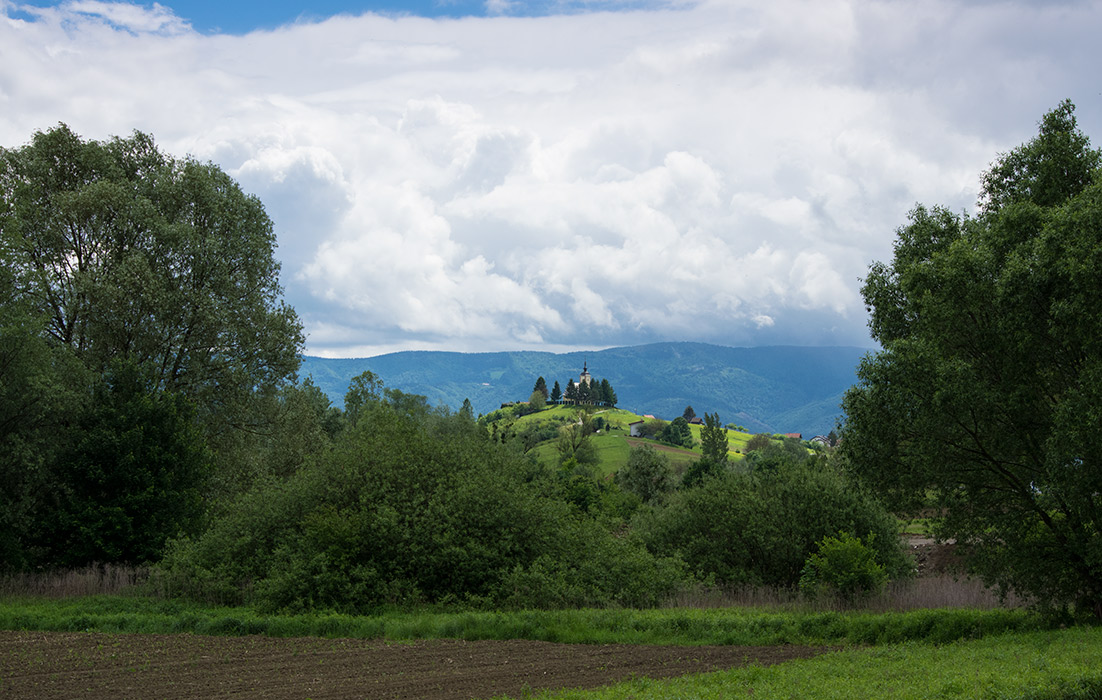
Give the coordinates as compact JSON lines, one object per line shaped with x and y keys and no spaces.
{"x":765,"y":389}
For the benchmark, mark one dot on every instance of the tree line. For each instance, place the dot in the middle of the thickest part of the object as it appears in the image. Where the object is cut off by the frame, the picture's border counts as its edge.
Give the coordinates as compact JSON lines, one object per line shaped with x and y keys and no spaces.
{"x":582,"y":393}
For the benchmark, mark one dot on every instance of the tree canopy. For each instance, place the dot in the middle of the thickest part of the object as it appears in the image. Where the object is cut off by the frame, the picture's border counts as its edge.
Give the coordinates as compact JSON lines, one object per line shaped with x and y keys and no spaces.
{"x":123,"y":250}
{"x":140,"y":324}
{"x":677,"y":432}
{"x":987,"y":395}
{"x":647,"y":473}
{"x":132,"y":478}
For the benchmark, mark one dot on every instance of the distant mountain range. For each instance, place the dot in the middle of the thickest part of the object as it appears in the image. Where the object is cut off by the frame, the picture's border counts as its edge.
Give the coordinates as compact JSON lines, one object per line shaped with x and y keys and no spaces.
{"x":765,"y":389}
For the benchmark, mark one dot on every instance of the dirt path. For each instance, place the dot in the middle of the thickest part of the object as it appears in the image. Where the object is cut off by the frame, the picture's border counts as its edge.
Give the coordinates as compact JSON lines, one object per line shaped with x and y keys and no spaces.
{"x":91,"y":665}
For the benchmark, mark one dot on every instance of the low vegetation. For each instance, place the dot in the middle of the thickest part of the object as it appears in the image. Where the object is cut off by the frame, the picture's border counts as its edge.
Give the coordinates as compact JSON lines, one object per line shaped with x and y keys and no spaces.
{"x":1045,"y":665}
{"x":738,"y":626}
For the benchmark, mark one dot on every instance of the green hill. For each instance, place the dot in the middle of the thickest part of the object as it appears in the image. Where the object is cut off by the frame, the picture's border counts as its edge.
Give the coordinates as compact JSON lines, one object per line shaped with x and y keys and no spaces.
{"x":614,"y":443}
{"x":766,"y":389}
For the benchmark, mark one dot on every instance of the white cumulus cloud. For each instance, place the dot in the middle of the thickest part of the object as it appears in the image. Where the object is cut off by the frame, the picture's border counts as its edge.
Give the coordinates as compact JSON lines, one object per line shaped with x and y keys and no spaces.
{"x":722,"y":170}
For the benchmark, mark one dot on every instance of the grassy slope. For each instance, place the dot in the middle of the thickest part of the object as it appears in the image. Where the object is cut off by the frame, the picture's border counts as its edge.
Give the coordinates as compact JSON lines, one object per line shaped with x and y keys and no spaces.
{"x":613,"y":446}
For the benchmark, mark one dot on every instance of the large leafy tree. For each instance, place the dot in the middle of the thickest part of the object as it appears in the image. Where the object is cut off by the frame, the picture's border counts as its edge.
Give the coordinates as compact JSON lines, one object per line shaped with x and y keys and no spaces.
{"x":574,"y":441}
{"x":987,"y":395}
{"x":116,"y":255}
{"x":125,"y":251}
{"x":364,"y":390}
{"x":647,"y":474}
{"x":41,"y":393}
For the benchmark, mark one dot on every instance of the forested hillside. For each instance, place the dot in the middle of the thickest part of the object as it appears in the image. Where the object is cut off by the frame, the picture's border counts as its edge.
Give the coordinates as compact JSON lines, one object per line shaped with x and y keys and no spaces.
{"x":766,"y":389}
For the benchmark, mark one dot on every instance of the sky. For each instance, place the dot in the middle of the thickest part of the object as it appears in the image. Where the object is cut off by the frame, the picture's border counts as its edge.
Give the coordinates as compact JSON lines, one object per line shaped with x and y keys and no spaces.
{"x":505,"y":175}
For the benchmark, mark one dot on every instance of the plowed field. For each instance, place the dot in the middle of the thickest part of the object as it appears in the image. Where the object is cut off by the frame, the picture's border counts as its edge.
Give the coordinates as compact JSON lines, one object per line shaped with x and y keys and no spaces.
{"x":90,"y":665}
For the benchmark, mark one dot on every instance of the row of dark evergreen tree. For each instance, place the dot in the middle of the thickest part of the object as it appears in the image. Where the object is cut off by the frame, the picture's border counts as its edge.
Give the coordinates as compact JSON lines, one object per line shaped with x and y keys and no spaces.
{"x":586,"y":393}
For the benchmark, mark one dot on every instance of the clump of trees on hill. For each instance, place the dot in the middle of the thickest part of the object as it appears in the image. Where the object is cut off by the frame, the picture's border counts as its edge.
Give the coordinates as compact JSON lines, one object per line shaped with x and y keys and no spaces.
{"x":583,"y":393}
{"x":590,"y":393}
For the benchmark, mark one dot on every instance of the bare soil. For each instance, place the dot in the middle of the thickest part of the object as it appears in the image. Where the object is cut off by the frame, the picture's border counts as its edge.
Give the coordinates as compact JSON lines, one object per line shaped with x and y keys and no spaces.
{"x":933,"y":558}
{"x":118,"y":666}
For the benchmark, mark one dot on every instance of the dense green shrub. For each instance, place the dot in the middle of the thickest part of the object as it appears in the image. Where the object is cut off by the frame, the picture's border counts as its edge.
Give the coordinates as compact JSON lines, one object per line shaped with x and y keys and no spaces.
{"x":769,"y":455}
{"x":760,"y":527}
{"x":588,"y":568}
{"x":702,"y":469}
{"x":408,"y":509}
{"x":677,"y":433}
{"x":845,"y":567}
{"x":132,"y":476}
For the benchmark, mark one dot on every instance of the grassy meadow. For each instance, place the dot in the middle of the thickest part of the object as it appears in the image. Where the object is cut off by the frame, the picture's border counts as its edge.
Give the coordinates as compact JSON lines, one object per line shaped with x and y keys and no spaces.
{"x":614,"y":444}
{"x":1049,"y":665}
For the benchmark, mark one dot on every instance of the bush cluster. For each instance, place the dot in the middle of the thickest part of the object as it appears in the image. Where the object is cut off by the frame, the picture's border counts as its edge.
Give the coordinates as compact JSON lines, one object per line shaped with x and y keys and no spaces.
{"x":411,"y":506}
{"x":415,"y":510}
{"x":759,"y":528}
{"x":844,"y":567}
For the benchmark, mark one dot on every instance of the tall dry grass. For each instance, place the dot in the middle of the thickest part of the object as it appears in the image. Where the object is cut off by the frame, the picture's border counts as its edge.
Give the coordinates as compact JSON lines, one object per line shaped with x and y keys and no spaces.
{"x":936,"y":591}
{"x":95,"y":579}
{"x":927,"y":592}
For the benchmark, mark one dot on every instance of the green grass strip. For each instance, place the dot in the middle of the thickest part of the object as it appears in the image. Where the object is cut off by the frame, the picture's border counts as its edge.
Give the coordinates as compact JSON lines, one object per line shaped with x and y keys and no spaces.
{"x":666,"y":626}
{"x":1047,"y":665}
